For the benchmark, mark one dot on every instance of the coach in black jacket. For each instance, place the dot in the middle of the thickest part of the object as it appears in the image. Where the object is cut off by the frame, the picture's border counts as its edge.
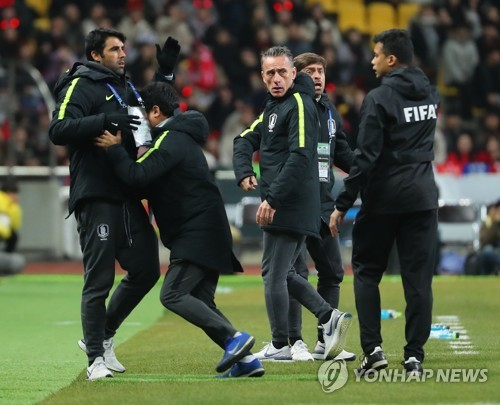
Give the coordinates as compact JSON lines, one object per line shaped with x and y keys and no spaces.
{"x":286,"y":136}
{"x":333,"y":149}
{"x":393,"y":172}
{"x":190,"y":214}
{"x":112,"y":222}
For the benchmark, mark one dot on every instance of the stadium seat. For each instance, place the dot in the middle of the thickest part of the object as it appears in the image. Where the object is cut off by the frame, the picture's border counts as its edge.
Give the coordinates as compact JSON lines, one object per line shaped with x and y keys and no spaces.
{"x":459,"y":224}
{"x":351,"y":14}
{"x":380,"y":17}
{"x":405,"y":12}
{"x":329,"y":6}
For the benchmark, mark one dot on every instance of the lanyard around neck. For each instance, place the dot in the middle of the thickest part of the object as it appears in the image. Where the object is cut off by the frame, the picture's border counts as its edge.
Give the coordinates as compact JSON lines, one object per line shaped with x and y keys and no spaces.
{"x":120,"y":100}
{"x":332,"y":128}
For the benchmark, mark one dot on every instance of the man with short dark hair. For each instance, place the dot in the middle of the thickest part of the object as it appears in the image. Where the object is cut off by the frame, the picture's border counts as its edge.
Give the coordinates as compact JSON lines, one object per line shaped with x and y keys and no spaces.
{"x":392,"y":170}
{"x":112,"y":222}
{"x":192,"y":220}
{"x":325,"y":252}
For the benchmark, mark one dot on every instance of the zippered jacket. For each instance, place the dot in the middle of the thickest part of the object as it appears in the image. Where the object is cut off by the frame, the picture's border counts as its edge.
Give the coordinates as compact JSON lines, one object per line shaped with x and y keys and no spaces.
{"x":286,"y":134}
{"x":341,"y":154}
{"x":83,"y":99}
{"x":392,"y":168}
{"x":186,"y":202}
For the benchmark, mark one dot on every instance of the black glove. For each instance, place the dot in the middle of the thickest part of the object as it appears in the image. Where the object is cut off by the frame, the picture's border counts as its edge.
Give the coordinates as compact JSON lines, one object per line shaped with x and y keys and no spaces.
{"x":168,"y":55}
{"x":116,"y":121}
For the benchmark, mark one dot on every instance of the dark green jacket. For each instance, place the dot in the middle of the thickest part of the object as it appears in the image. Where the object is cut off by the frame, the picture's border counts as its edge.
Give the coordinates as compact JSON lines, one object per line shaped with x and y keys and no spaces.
{"x":83,"y":99}
{"x":186,"y":202}
{"x":341,"y":154}
{"x":286,"y":135}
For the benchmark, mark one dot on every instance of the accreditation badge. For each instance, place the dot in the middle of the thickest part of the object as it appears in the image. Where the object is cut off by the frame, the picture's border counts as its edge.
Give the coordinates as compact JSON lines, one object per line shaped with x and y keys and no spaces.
{"x":324,"y":162}
{"x":142,"y":134}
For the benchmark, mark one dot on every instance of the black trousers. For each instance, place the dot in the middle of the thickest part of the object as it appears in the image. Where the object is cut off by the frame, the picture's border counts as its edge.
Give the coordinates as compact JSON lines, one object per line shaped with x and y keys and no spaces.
{"x":108,"y":232}
{"x":327,"y":259}
{"x":188,"y":290}
{"x":415,"y":234}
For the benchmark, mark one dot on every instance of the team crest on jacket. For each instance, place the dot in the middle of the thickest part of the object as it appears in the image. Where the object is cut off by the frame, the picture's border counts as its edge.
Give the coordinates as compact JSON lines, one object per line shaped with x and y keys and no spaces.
{"x":272,"y":121}
{"x":103,"y":231}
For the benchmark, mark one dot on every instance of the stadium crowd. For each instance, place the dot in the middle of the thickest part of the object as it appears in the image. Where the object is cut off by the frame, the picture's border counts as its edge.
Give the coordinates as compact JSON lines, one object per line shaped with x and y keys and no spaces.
{"x":456,"y":43}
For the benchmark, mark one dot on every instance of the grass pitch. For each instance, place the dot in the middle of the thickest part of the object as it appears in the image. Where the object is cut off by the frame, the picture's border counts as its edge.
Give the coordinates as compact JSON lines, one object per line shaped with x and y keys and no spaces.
{"x":172,"y":362}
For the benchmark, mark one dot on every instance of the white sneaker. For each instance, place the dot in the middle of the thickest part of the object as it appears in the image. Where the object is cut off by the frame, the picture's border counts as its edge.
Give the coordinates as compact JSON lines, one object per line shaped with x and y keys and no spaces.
{"x":300,"y":352}
{"x":335,"y":332}
{"x":270,"y":353}
{"x":346,"y":356}
{"x":98,"y":370}
{"x":319,"y":351}
{"x":109,"y":355}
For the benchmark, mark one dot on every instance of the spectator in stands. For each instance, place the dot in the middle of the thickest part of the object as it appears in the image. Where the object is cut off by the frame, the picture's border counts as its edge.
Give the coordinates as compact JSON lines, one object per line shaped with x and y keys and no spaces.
{"x":257,"y":32}
{"x":489,"y":238}
{"x":142,"y":69}
{"x":96,"y":18}
{"x":493,"y":153}
{"x":133,"y":24}
{"x":451,"y":127}
{"x":353,"y":56}
{"x":460,"y":59}
{"x":235,"y":123}
{"x":318,"y":25}
{"x":465,"y":158}
{"x":279,"y":29}
{"x":425,"y":37}
{"x":174,"y":23}
{"x":11,"y":213}
{"x":217,"y":113}
{"x":486,"y":83}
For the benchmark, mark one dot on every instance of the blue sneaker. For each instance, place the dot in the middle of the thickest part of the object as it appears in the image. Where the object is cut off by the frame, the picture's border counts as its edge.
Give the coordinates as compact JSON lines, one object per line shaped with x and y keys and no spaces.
{"x":236,"y":348}
{"x":240,"y":369}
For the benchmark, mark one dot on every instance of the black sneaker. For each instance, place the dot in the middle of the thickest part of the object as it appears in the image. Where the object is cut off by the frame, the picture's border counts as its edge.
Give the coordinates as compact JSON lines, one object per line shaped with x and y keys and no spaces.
{"x":373,"y":362}
{"x":412,"y":366}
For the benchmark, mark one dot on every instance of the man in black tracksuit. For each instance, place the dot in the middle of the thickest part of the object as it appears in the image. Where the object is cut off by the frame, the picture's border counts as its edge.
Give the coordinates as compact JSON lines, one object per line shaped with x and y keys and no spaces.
{"x":191,"y":217}
{"x":286,"y":136}
{"x":332,"y":149}
{"x":393,"y":172}
{"x":112,"y":222}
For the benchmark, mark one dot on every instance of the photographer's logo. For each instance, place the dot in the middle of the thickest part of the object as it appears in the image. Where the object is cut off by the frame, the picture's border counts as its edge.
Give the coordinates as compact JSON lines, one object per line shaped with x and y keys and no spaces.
{"x":332,"y":375}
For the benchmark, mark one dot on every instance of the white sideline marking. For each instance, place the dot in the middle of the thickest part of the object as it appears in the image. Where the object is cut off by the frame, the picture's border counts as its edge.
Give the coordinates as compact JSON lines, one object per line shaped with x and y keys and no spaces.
{"x":464,"y":341}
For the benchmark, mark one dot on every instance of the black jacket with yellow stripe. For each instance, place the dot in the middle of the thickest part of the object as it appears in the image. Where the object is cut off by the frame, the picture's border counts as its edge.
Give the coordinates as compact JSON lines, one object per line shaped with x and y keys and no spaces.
{"x":186,"y":202}
{"x":83,"y":100}
{"x":286,"y":134}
